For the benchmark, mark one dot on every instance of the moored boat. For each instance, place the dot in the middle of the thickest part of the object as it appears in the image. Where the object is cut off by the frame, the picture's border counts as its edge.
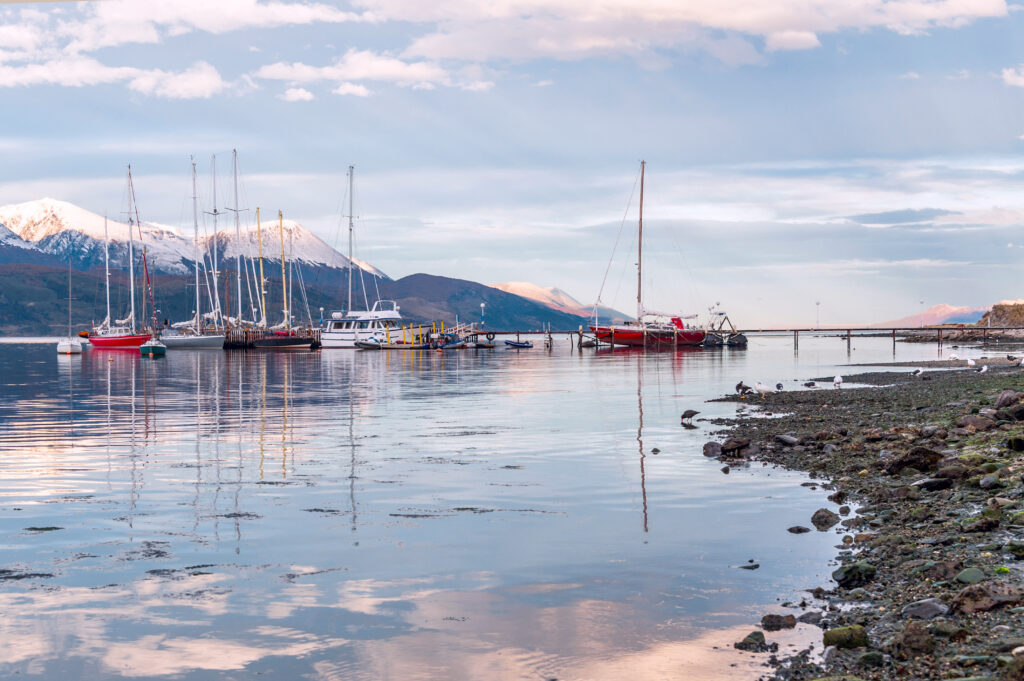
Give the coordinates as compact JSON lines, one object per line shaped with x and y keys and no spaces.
{"x":651,"y":329}
{"x":69,"y":346}
{"x":519,"y":345}
{"x":153,"y":348}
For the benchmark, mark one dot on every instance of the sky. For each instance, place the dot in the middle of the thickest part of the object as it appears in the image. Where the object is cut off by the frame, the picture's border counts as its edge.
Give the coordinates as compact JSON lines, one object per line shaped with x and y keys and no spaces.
{"x":860,"y":158}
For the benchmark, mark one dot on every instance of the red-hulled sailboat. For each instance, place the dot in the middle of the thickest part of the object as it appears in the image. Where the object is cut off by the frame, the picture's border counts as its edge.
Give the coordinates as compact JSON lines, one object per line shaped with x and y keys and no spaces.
{"x":122,"y":335}
{"x":651,"y":329}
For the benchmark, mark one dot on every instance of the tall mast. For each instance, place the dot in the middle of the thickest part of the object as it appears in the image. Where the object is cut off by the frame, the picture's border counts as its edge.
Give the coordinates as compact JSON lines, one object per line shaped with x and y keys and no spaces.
{"x":263,"y":290}
{"x":238,"y":234}
{"x":195,"y":240}
{"x":351,"y":173}
{"x":145,"y":263}
{"x":213,"y":247}
{"x":69,"y":293}
{"x":131,"y":259}
{"x":640,"y":247}
{"x":284,"y":280}
{"x":106,"y":264}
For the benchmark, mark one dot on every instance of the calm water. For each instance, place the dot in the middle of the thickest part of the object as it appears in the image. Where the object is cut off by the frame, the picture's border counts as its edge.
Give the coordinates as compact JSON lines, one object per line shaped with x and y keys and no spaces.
{"x":350,"y":515}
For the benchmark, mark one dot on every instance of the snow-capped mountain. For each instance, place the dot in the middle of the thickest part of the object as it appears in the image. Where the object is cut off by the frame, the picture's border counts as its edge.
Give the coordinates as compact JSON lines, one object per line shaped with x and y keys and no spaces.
{"x":940,"y":314}
{"x":557,"y":299}
{"x":68,"y":231}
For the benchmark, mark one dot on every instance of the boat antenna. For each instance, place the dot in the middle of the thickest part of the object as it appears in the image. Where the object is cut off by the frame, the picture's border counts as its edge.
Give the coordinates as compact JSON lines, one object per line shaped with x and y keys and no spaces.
{"x":263,"y":289}
{"x":238,"y":235}
{"x":106,"y":265}
{"x":131,"y":256}
{"x":640,"y":247}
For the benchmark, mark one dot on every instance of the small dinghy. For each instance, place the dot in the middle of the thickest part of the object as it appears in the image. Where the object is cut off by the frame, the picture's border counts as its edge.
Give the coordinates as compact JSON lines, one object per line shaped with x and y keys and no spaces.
{"x":368,"y":344}
{"x":519,"y":345}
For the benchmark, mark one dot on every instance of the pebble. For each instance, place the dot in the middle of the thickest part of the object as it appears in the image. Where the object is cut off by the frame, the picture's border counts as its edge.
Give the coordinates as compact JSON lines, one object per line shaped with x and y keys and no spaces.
{"x":970,"y":575}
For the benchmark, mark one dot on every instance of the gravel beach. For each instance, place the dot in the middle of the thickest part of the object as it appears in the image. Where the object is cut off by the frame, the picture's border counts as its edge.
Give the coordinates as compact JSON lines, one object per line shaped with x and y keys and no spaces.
{"x":928,"y":511}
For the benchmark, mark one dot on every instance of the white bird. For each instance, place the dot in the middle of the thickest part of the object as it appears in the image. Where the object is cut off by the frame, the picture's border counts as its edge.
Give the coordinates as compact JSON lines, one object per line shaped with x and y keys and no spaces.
{"x":762,"y":389}
{"x":837,"y":382}
{"x":917,"y":372}
{"x":983,"y":369}
{"x":970,"y":362}
{"x":953,"y":357}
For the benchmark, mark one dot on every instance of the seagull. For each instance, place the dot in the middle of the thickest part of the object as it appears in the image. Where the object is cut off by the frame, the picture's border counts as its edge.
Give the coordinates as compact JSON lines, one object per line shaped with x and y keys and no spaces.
{"x":779,"y":387}
{"x":763,"y":389}
{"x":917,"y":372}
{"x":837,"y":382}
{"x":810,"y":384}
{"x":970,"y":362}
{"x":953,"y":357}
{"x":743,"y":389}
{"x":982,"y":370}
{"x":689,"y":414}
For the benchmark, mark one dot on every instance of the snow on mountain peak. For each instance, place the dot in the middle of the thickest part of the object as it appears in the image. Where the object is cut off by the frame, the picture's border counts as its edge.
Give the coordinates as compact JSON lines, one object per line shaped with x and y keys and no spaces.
{"x":550,"y":296}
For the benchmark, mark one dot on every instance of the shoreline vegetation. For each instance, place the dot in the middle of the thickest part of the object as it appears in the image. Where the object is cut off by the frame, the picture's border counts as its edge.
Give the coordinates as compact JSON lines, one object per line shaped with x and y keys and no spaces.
{"x":927,"y":500}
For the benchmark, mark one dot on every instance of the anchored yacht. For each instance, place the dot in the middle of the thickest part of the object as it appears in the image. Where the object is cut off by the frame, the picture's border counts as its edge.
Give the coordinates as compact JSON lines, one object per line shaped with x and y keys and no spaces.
{"x":377,"y":325}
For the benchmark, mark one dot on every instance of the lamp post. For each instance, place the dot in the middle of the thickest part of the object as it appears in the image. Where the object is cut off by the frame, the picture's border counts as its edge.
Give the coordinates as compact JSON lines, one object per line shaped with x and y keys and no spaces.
{"x":817,"y":309}
{"x":482,"y":305}
{"x":922,"y":314}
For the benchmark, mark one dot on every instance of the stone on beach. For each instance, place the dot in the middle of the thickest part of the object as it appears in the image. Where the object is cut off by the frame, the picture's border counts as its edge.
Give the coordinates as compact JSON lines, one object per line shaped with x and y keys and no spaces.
{"x":853,"y":575}
{"x":853,"y":636}
{"x":823,"y":519}
{"x":918,"y":458}
{"x":986,"y":596}
{"x":775,"y":622}
{"x":925,"y":609}
{"x":798,"y":529}
{"x":755,"y":642}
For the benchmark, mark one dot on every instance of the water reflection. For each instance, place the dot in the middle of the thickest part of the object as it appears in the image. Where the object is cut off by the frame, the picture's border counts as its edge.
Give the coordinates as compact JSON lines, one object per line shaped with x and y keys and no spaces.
{"x":385,"y":515}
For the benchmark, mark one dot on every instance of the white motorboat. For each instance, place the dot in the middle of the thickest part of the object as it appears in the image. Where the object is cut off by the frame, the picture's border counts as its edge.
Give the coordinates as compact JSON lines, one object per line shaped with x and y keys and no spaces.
{"x":381,"y":325}
{"x":184,"y":340}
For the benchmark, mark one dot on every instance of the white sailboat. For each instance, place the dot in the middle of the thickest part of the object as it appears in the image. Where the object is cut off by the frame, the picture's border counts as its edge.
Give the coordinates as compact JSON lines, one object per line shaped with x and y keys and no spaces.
{"x":193,"y":334}
{"x":346,"y":328}
{"x":69,"y":345}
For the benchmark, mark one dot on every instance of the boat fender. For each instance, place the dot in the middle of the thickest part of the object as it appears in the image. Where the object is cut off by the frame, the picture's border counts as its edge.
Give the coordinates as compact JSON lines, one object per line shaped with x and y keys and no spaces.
{"x":490,"y":336}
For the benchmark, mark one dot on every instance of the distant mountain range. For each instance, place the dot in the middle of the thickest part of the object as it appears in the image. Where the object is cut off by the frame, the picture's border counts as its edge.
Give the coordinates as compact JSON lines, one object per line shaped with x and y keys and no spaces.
{"x":64,"y":230}
{"x":938,"y":314}
{"x":557,"y":299}
{"x":39,"y":238}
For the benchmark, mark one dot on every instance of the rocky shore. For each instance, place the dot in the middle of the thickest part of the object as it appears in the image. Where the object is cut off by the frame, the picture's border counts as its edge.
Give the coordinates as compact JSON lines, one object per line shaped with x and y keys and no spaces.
{"x":928,"y":506}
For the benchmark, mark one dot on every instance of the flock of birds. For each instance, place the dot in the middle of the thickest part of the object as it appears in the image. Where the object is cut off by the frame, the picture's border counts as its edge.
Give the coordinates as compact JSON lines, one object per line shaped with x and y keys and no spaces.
{"x":742,"y":389}
{"x":1014,"y":361}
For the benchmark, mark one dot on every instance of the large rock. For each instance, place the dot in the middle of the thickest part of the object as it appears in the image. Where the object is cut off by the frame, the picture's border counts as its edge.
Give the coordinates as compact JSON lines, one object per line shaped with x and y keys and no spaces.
{"x":776,"y":622}
{"x":823,"y":519}
{"x":735,"y":444}
{"x":853,"y":636}
{"x":976,"y":421}
{"x":925,"y":609}
{"x":787,"y":440}
{"x":933,"y":484}
{"x":1007,"y":398}
{"x":915,"y":639}
{"x":712,"y":449}
{"x":918,"y":458}
{"x":853,"y":575}
{"x":987,"y":596}
{"x":754,"y":642}
{"x":971,"y":575}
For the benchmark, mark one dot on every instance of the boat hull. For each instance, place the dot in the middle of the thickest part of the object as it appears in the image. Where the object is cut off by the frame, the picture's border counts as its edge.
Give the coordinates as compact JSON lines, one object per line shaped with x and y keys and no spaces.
{"x":283,"y":343}
{"x":153,"y":349}
{"x":205,"y":342}
{"x":69,"y":346}
{"x":638,"y":338}
{"x":119,"y":342}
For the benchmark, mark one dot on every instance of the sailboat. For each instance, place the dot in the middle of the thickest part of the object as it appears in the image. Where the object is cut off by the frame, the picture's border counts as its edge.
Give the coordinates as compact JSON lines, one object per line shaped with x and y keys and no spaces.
{"x":651,"y":329}
{"x":283,"y":336}
{"x":122,"y":334}
{"x":359,"y":328}
{"x":193,"y":334}
{"x":69,"y":345}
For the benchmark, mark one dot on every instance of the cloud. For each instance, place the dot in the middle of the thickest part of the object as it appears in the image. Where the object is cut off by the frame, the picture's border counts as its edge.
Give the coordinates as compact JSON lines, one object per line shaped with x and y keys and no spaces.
{"x":351,"y":89}
{"x":297,"y":94}
{"x":360,"y":65}
{"x":201,"y":80}
{"x":544,"y":83}
{"x":910,"y":75}
{"x":900,"y":217}
{"x":1014,"y":77}
{"x":962,"y":74}
{"x":569,"y":29}
{"x":791,"y":40}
